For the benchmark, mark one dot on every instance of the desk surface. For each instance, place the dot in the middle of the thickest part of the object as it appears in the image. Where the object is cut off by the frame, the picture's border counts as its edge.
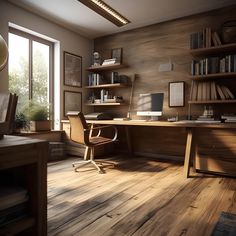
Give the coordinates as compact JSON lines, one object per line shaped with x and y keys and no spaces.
{"x":186,"y":124}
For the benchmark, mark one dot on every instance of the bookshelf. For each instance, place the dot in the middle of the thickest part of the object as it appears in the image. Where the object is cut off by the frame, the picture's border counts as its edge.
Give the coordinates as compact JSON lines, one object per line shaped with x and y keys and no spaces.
{"x":116,"y":85}
{"x":102,"y":80}
{"x":106,"y":104}
{"x":214,"y":50}
{"x":108,"y":67}
{"x":213,"y":83}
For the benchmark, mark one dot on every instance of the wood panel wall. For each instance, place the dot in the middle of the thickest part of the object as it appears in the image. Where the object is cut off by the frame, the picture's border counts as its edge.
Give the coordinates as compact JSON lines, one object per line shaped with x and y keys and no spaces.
{"x":144,"y":49}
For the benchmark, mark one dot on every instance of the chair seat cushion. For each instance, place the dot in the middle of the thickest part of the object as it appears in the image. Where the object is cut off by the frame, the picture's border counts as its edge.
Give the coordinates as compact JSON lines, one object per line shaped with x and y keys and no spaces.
{"x":99,"y":140}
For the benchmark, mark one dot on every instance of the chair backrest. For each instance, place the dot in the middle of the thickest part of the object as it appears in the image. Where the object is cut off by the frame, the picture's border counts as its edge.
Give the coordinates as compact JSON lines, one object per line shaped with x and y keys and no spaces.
{"x":8,"y":104}
{"x":79,"y":131}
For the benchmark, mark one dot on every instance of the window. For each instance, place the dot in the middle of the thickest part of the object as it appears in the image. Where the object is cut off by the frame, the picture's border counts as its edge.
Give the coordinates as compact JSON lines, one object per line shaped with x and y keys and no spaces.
{"x":30,"y":68}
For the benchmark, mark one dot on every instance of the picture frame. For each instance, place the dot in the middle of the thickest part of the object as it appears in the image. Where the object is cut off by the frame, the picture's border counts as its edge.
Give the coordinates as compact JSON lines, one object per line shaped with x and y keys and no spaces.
{"x":176,"y":94}
{"x":117,"y":53}
{"x":72,"y":101}
{"x":72,"y":68}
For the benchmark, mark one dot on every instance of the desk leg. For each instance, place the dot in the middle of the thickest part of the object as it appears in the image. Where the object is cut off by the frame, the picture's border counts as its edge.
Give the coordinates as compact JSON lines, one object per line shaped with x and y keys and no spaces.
{"x":128,"y":139}
{"x":188,"y":152}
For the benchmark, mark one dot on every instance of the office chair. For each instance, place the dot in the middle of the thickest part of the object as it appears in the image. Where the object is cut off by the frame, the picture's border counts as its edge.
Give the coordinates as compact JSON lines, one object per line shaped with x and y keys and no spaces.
{"x":81,"y":133}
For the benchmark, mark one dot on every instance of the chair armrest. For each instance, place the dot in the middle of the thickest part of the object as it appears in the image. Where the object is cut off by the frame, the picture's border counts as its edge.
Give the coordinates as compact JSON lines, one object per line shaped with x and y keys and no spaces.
{"x":99,"y":128}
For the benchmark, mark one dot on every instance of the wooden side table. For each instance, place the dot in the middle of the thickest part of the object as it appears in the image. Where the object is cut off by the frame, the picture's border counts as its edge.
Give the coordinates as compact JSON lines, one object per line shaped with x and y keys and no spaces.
{"x":23,"y":161}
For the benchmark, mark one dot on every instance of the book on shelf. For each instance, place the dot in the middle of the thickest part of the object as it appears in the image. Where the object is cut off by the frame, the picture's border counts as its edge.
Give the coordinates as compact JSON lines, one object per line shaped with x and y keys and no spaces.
{"x":205,"y":39}
{"x":220,"y":92}
{"x":109,"y":61}
{"x":194,"y":92}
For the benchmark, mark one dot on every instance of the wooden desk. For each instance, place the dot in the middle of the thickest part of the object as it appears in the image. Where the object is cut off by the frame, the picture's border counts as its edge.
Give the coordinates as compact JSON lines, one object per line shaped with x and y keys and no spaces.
{"x":24,"y":160}
{"x":192,"y":129}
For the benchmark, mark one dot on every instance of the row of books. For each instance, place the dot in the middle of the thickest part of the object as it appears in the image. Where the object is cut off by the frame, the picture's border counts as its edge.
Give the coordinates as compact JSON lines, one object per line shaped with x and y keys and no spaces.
{"x":14,"y":201}
{"x":214,"y":65}
{"x":229,"y":118}
{"x":206,"y":38}
{"x":95,"y":79}
{"x":210,"y":91}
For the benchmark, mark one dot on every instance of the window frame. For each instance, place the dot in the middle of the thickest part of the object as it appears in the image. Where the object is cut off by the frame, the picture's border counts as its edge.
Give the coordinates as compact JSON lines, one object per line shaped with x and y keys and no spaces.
{"x":32,"y":38}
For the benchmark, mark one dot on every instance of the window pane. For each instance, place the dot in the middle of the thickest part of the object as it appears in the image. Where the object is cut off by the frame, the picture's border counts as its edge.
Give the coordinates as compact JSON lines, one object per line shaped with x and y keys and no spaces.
{"x":40,"y":80}
{"x":19,"y":67}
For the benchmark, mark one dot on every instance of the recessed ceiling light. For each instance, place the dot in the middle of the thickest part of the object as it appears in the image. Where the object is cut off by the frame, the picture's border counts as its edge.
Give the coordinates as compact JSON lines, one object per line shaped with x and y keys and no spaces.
{"x":106,"y":11}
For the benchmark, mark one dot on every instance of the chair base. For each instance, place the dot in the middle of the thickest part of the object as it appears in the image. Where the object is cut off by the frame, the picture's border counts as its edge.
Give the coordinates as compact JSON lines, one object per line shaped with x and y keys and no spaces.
{"x":83,"y":163}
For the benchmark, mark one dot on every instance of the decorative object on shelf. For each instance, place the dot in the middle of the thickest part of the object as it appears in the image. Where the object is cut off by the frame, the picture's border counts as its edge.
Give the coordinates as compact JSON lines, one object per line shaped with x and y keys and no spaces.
{"x":117,"y":54}
{"x":72,"y":101}
{"x":176,"y":94}
{"x":72,"y":70}
{"x":229,"y":31}
{"x":96,"y":59}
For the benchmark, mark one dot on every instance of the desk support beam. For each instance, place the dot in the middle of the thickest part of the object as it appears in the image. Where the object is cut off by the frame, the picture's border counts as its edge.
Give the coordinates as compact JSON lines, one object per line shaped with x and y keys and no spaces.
{"x":188,"y":152}
{"x":128,"y":138}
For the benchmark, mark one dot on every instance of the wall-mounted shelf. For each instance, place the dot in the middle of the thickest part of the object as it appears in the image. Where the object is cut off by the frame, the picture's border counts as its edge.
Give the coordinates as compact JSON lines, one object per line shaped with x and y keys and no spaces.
{"x":213,"y":51}
{"x":106,"y":104}
{"x":117,"y":85}
{"x":214,"y":76}
{"x":106,"y":67}
{"x":212,"y":101}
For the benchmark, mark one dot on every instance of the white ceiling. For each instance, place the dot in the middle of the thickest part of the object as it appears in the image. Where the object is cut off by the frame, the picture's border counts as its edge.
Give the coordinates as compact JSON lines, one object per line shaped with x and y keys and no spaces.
{"x":77,"y":17}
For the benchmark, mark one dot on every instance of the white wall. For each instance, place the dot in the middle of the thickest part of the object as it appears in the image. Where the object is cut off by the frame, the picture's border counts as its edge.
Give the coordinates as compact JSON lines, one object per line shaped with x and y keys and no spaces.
{"x":69,"y":41}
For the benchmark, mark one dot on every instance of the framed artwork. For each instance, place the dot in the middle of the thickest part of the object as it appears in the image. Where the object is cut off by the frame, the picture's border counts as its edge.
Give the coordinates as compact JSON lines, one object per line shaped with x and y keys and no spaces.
{"x":176,"y":94}
{"x":72,"y":70}
{"x":72,"y":101}
{"x":117,"y":53}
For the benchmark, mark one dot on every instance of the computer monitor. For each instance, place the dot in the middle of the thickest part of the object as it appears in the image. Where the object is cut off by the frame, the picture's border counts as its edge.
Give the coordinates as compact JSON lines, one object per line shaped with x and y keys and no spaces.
{"x":150,"y":104}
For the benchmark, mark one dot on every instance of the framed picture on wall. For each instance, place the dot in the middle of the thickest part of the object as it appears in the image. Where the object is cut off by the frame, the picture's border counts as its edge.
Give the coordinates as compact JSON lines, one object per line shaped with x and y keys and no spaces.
{"x":72,"y":101}
{"x":176,"y":94}
{"x":72,"y":70}
{"x":117,"y":54}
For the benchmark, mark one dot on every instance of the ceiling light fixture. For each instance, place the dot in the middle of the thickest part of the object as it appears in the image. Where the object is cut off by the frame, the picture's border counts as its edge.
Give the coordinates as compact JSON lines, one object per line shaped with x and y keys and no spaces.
{"x":106,"y":11}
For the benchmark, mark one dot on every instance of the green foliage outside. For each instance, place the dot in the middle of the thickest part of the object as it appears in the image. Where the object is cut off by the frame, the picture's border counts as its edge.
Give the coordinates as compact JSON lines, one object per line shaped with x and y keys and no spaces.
{"x":19,"y":81}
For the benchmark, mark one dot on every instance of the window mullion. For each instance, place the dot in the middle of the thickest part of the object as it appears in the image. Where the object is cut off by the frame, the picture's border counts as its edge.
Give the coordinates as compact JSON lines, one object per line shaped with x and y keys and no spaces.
{"x":30,"y":69}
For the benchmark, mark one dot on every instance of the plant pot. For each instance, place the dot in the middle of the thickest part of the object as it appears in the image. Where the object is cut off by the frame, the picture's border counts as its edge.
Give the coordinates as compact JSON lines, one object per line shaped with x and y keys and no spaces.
{"x":40,"y":125}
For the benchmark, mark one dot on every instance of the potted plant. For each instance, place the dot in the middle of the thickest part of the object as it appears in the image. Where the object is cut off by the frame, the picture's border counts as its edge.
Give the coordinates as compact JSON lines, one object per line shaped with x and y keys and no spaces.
{"x":39,"y":117}
{"x":21,"y":122}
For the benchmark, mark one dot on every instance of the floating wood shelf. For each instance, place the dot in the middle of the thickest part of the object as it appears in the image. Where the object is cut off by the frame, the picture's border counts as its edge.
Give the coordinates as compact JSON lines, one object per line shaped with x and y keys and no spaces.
{"x":17,"y":226}
{"x":117,"y":85}
{"x":212,"y":101}
{"x":106,"y":67}
{"x":106,"y":104}
{"x":214,"y":76}
{"x":212,"y":51}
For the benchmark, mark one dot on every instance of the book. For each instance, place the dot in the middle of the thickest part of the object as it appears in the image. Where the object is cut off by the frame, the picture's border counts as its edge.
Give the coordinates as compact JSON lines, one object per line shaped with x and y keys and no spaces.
{"x":194,"y":92}
{"x":229,"y":92}
{"x":199,"y":91}
{"x":220,"y":92}
{"x":217,"y":37}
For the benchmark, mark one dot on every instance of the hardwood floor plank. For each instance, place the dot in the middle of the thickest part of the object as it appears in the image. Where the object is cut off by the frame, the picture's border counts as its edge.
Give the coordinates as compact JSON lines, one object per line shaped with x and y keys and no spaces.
{"x":141,"y":196}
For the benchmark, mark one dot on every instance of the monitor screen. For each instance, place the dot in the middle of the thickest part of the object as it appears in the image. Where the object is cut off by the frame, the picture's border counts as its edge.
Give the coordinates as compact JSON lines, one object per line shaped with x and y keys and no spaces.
{"x":150,"y":104}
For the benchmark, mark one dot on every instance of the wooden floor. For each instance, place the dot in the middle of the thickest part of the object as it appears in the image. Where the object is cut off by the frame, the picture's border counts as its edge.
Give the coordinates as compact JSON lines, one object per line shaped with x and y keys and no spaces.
{"x":139,"y":197}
